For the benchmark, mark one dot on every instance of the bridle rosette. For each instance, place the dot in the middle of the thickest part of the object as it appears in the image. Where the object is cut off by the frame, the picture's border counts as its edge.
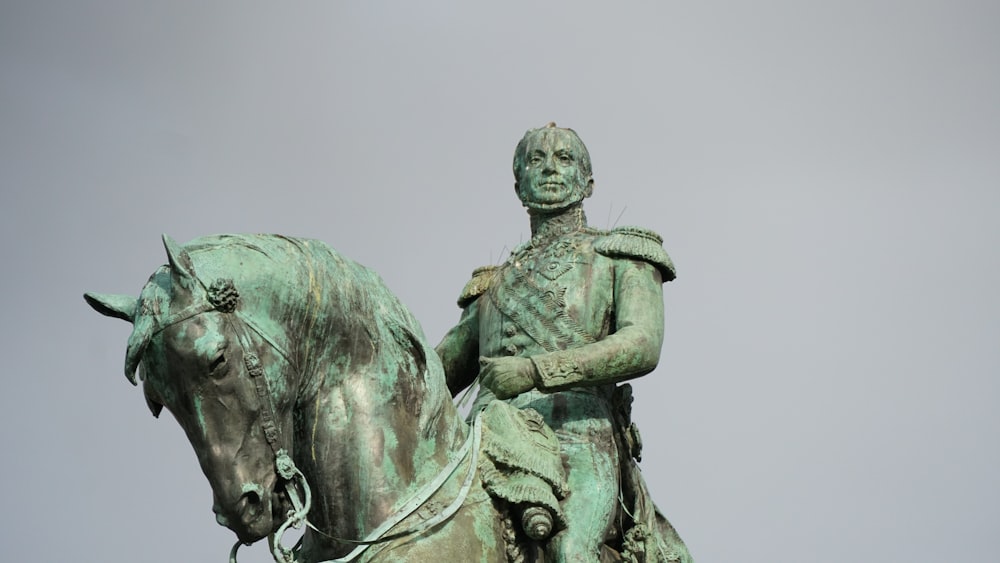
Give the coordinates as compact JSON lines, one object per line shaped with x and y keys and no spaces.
{"x":223,"y":296}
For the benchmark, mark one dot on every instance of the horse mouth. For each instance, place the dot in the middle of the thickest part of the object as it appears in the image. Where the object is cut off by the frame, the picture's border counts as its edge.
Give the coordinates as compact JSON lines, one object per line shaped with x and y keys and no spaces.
{"x":253,"y":516}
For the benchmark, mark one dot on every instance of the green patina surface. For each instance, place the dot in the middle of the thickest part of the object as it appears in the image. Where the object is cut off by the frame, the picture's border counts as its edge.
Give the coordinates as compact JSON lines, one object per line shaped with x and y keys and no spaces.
{"x":347,"y":385}
{"x":570,"y":314}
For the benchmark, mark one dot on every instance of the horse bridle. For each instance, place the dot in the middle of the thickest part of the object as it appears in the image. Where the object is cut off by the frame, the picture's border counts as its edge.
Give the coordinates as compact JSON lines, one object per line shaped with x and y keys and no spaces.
{"x":223,"y":297}
{"x":283,"y":463}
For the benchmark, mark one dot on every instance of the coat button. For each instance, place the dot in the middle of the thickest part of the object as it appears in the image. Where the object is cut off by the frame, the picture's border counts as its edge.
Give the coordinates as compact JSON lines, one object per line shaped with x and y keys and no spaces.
{"x":510,"y":330}
{"x":510,"y":349}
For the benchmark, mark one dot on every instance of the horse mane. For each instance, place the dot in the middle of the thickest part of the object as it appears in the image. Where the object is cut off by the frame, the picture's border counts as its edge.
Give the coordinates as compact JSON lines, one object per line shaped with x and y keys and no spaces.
{"x":310,"y":286}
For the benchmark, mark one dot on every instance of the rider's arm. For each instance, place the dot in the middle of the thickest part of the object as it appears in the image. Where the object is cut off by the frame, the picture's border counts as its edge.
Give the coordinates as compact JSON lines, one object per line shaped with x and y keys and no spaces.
{"x":459,"y":350}
{"x":631,"y":350}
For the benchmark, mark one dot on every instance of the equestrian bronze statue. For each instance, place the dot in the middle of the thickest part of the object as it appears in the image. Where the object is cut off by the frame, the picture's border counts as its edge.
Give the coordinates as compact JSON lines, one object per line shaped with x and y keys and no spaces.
{"x":312,"y":398}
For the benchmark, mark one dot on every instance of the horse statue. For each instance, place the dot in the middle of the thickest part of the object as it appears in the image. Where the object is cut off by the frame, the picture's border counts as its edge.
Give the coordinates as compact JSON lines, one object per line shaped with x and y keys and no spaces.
{"x":312,"y":398}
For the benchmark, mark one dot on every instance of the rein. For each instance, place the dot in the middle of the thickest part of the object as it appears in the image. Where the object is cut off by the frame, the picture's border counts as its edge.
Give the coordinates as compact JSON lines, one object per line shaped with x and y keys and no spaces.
{"x":223,"y":297}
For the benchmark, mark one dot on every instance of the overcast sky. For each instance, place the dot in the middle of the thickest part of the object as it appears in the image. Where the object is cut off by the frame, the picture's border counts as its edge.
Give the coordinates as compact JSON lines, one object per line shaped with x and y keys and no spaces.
{"x":826,"y":176}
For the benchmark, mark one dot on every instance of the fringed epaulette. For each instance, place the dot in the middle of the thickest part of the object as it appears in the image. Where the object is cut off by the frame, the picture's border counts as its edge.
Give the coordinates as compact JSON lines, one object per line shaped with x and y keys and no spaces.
{"x":640,"y":244}
{"x":480,"y":282}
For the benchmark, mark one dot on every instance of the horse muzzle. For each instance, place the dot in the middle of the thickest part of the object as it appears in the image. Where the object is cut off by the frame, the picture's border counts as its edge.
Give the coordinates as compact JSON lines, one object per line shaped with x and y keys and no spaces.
{"x":249,"y":515}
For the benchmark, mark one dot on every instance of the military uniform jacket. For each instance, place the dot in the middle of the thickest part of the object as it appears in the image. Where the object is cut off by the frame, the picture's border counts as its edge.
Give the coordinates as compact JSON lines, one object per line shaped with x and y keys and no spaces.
{"x":586,"y":307}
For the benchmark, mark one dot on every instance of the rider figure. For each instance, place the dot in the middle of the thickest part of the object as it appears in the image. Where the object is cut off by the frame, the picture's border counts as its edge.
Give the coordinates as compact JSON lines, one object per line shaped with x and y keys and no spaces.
{"x":572,"y":312}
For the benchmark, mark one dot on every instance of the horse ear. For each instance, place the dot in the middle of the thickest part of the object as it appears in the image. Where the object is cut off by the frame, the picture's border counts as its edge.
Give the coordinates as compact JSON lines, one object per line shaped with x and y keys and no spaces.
{"x":118,"y":306}
{"x":124,"y":307}
{"x":181,"y":267}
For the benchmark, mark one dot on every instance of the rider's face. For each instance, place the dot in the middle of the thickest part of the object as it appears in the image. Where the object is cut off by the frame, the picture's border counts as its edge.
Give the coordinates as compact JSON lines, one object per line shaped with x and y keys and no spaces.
{"x":552,"y":177}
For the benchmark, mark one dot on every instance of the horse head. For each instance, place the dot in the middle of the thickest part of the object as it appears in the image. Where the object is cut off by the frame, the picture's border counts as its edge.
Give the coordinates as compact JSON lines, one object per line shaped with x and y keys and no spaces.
{"x":297,"y":375}
{"x":200,"y":355}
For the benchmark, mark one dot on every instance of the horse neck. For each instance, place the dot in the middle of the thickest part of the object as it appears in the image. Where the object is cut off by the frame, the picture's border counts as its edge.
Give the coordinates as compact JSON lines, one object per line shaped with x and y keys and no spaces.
{"x":370,"y":439}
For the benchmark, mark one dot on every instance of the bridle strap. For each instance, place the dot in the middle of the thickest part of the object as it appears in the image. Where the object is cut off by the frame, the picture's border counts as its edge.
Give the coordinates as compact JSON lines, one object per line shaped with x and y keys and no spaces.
{"x":223,"y":297}
{"x":249,"y":323}
{"x":284,"y":465}
{"x":256,"y":372}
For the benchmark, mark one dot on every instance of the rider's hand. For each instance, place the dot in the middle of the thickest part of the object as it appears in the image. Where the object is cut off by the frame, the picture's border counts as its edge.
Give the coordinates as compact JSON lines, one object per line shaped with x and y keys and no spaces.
{"x":507,"y":377}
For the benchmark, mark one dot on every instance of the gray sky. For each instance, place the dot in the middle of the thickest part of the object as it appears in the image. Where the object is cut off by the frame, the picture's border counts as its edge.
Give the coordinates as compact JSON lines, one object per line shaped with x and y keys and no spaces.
{"x":825,"y":175}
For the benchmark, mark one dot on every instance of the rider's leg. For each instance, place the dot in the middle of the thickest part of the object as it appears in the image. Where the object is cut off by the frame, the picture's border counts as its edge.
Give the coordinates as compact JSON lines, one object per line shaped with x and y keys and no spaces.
{"x":581,"y":420}
{"x":593,"y":480}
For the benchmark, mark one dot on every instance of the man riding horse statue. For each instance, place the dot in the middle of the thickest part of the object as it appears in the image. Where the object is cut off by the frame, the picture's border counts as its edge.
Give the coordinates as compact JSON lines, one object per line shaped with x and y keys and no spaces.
{"x":312,"y":398}
{"x":572,"y":312}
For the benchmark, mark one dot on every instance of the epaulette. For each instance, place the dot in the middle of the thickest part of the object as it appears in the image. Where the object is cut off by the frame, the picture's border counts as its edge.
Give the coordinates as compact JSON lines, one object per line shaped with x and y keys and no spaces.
{"x":480,"y":282}
{"x":638,"y":243}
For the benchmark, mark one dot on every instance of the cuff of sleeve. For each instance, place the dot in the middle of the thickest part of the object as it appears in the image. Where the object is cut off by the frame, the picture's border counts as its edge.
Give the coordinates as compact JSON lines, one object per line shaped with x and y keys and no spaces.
{"x":555,"y":371}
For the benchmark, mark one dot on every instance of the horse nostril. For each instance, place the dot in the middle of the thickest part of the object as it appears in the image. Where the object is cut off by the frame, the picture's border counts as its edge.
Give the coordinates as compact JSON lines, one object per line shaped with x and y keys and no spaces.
{"x":251,"y":501}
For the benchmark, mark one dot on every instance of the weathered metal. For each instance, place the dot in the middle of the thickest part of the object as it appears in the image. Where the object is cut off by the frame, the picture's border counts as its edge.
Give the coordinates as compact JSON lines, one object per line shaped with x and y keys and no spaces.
{"x":571,"y":313}
{"x":302,"y":357}
{"x":312,"y":398}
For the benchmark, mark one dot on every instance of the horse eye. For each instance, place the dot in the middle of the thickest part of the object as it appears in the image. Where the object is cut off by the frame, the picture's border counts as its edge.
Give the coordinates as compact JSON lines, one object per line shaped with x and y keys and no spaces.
{"x":217,"y":368}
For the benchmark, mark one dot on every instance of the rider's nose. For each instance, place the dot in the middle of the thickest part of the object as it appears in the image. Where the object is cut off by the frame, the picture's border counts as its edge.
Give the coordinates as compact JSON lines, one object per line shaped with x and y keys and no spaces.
{"x":549,"y":167}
